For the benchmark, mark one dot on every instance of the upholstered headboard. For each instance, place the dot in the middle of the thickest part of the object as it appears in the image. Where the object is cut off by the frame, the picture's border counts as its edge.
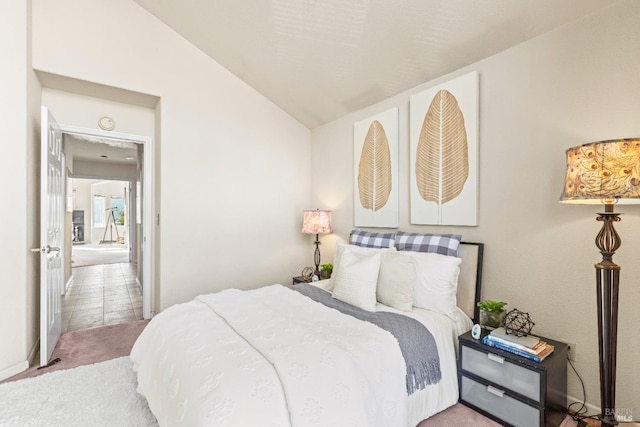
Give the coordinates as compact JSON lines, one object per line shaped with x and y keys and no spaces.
{"x":470,"y":278}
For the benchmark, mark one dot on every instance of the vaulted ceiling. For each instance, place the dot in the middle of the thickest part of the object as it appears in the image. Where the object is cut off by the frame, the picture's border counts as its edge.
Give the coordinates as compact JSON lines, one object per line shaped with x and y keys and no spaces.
{"x":321,"y":59}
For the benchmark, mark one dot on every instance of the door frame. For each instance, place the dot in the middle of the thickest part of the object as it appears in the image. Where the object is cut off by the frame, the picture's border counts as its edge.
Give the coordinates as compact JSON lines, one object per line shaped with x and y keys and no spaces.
{"x":148,"y":198}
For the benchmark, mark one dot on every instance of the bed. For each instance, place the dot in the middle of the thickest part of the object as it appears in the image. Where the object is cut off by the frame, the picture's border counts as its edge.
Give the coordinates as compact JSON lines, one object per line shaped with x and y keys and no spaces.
{"x":280,"y":356}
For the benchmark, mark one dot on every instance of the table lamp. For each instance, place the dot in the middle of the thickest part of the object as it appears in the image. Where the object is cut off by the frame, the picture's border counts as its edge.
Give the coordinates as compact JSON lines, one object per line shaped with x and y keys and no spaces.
{"x":317,"y":222}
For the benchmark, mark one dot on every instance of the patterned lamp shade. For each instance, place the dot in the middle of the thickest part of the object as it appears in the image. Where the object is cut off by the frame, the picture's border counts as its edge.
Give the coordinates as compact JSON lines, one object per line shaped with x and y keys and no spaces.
{"x":317,"y":222}
{"x":603,"y":172}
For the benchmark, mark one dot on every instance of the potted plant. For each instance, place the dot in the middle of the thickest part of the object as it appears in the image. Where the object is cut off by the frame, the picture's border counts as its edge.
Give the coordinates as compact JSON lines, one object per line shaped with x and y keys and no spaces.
{"x":326,"y":270}
{"x":491,"y":313}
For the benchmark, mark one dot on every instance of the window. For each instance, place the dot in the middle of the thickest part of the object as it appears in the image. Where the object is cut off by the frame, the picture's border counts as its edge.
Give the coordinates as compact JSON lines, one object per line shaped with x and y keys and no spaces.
{"x":98,"y":211}
{"x":117,"y":206}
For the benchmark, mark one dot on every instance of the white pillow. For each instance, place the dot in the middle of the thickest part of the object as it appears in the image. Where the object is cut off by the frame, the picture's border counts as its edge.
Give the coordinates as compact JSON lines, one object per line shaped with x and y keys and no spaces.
{"x":396,"y":280}
{"x":342,"y":247}
{"x":355,"y":279}
{"x":436,"y":282}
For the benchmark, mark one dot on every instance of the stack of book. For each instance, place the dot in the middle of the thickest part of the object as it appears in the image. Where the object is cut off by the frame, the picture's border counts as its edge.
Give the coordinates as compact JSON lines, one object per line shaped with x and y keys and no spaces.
{"x":530,"y":347}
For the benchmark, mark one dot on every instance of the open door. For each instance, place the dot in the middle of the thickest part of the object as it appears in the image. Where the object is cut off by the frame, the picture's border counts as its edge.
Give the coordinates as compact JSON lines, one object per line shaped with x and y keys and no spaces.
{"x":51,"y":234}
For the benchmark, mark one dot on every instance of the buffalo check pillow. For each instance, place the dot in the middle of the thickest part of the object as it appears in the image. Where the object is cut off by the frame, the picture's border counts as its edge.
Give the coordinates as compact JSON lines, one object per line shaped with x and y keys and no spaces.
{"x":367,"y":239}
{"x":443,"y":244}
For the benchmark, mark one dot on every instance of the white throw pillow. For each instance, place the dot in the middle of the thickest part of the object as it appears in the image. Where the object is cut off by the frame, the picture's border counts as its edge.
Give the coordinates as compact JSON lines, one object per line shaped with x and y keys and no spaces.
{"x":436,"y":282}
{"x":355,"y":279}
{"x":342,"y":247}
{"x":396,"y":280}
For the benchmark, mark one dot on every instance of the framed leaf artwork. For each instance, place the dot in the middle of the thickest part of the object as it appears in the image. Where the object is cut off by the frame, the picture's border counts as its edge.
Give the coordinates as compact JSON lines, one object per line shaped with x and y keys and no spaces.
{"x":443,"y":144}
{"x":375,"y":154}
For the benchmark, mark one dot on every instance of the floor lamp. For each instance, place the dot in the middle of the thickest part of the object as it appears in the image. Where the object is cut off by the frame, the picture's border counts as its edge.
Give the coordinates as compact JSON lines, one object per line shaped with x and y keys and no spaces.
{"x":317,"y":222}
{"x":605,"y":172}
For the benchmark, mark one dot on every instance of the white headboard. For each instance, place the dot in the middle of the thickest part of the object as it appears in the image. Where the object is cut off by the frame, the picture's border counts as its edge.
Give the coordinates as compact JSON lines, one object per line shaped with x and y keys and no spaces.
{"x":470,"y":278}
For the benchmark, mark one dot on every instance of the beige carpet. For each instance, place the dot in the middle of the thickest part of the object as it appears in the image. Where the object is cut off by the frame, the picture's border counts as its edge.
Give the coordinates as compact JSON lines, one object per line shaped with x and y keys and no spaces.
{"x":89,"y":346}
{"x":461,"y":416}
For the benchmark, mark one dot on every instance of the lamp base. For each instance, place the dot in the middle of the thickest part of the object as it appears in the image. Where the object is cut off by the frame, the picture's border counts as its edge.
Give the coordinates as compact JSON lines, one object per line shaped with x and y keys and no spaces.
{"x":316,"y":256}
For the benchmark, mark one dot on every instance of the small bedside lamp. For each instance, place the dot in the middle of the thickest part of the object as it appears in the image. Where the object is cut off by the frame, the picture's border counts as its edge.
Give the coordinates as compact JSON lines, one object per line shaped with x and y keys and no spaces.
{"x":317,"y":222}
{"x":605,"y":172}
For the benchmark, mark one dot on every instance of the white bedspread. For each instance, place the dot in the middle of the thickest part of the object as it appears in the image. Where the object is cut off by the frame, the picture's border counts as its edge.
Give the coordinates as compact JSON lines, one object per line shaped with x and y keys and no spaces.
{"x":437,"y":397}
{"x":268,"y":357}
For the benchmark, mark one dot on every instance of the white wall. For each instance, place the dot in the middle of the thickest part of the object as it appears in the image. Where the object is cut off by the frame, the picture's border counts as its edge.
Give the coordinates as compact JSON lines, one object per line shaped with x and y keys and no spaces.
{"x":86,"y":168}
{"x":74,"y":109}
{"x":574,"y":85}
{"x":233,"y":167}
{"x":20,"y":117}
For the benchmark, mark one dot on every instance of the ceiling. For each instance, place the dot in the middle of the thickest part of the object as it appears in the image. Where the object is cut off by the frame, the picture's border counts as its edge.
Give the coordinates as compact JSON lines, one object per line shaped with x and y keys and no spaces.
{"x":321,"y":59}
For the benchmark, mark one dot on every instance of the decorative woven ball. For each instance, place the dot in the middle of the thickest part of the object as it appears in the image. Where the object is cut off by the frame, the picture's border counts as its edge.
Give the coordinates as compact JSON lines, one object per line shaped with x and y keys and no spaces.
{"x":517,"y":323}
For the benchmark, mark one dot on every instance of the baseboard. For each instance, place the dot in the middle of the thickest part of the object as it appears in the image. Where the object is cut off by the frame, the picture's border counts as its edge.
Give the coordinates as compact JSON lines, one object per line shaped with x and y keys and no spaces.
{"x":591,"y":409}
{"x":34,"y":352}
{"x":22,"y":366}
{"x":14,"y":370}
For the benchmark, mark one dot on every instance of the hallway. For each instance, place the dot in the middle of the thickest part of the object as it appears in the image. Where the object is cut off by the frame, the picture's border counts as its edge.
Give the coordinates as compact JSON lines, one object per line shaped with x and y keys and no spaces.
{"x":100,"y":295}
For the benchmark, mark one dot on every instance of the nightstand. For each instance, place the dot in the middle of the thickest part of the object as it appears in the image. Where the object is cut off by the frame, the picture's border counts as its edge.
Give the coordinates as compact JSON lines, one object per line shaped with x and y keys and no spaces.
{"x":511,"y":389}
{"x":300,"y":279}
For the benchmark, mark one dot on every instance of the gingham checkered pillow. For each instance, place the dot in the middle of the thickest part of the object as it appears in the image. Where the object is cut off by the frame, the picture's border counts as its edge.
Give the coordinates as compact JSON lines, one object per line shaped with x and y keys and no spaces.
{"x":367,"y":239}
{"x":444,"y":244}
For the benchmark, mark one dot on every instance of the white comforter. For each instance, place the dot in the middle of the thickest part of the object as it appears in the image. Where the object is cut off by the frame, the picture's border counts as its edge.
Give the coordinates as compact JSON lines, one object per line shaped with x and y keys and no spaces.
{"x":269,"y":357}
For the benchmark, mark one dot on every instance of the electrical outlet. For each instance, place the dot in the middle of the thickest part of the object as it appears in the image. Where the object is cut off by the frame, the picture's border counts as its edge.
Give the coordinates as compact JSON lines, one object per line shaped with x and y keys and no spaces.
{"x":571,"y":351}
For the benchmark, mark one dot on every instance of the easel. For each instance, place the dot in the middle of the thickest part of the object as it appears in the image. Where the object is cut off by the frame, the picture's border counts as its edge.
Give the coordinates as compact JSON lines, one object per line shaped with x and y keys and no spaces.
{"x":111,"y":222}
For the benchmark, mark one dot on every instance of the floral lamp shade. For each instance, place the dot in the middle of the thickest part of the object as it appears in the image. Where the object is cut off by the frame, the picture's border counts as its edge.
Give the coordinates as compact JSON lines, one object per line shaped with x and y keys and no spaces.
{"x":603,"y":172}
{"x":317,"y":222}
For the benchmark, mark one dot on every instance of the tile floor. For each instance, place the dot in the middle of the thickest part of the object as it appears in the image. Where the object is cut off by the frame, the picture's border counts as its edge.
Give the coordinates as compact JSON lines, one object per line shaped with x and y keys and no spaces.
{"x":101,"y":295}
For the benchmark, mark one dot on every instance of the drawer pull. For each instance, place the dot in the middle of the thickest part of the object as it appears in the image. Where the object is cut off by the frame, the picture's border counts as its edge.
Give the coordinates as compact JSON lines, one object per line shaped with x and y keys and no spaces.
{"x":495,"y":391}
{"x":495,"y":357}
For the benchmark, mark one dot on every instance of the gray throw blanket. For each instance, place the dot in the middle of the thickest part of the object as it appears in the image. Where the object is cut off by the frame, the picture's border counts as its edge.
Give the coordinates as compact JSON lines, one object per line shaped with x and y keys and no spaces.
{"x":417,"y":345}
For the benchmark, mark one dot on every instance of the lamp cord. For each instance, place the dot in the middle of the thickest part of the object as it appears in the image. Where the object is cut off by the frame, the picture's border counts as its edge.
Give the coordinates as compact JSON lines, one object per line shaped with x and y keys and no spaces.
{"x":580,"y":413}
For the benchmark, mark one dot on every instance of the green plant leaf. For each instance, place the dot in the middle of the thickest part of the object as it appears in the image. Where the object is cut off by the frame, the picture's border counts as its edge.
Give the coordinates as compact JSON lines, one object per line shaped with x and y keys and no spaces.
{"x":492,"y":306}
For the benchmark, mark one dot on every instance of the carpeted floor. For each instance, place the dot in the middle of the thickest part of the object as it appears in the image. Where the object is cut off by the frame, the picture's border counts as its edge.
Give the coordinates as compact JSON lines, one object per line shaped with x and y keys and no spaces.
{"x":91,"y":346}
{"x":461,"y":416}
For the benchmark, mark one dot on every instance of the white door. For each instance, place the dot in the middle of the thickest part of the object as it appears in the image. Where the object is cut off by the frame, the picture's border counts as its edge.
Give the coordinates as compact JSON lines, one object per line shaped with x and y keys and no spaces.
{"x":51,"y":234}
